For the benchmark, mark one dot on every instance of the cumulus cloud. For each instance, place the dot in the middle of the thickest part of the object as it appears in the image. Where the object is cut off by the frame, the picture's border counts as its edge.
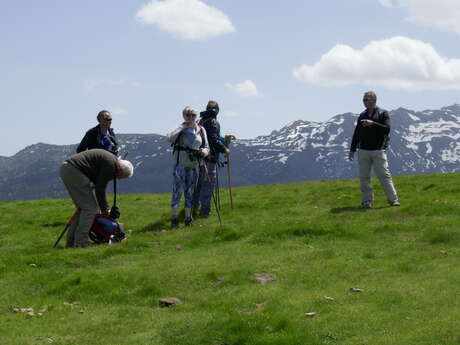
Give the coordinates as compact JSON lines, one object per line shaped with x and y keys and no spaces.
{"x":395,"y":63}
{"x":246,"y":88}
{"x":186,"y":19}
{"x":442,"y":14}
{"x":93,"y":84}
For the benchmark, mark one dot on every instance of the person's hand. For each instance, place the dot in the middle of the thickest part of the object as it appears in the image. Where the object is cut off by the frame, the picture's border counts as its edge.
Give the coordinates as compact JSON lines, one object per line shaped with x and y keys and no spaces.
{"x":114,"y":212}
{"x":106,"y":212}
{"x":351,"y":155}
{"x":227,"y":152}
{"x":201,"y":152}
{"x":367,"y":123}
{"x":228,"y":139}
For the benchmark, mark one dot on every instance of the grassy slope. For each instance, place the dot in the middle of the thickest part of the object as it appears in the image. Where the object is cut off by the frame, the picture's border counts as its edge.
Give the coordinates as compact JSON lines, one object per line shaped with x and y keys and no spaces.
{"x":311,"y":235}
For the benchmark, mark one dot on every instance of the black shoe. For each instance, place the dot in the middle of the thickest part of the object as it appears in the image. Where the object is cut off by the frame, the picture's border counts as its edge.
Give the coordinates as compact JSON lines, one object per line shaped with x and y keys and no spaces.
{"x":204,"y":215}
{"x":189,"y":221}
{"x":367,"y":204}
{"x":174,"y":223}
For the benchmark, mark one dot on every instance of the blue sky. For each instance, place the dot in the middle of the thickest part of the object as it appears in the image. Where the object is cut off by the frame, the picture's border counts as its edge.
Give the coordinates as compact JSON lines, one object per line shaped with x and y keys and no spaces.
{"x":267,"y":62}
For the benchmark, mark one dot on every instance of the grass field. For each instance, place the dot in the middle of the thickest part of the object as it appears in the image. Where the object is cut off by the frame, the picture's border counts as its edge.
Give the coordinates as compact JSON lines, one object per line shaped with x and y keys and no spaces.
{"x":402,"y":262}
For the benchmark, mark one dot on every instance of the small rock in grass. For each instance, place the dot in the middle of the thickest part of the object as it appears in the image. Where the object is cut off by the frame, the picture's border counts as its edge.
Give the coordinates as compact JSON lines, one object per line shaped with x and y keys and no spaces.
{"x":311,"y":314}
{"x":356,"y":289}
{"x":169,"y":302}
{"x":156,"y":244}
{"x":178,"y":247}
{"x":33,"y":265}
{"x":329,"y":298}
{"x":261,"y":305}
{"x":445,"y":252}
{"x":265,"y":278}
{"x":221,"y":278}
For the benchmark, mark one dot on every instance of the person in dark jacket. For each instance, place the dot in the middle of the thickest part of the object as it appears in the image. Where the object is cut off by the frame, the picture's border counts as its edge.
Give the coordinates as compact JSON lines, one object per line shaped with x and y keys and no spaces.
{"x":101,"y":136}
{"x":86,"y":175}
{"x":371,"y":137}
{"x":207,"y":173}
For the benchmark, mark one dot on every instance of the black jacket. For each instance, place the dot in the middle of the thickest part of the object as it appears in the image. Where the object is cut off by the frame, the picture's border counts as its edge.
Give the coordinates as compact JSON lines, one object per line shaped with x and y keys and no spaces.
{"x":375,"y":137}
{"x":92,"y":140}
{"x":211,"y":125}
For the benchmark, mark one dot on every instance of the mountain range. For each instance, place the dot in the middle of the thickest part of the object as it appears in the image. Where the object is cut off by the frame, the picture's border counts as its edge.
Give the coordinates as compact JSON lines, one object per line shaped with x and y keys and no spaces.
{"x":421,"y":142}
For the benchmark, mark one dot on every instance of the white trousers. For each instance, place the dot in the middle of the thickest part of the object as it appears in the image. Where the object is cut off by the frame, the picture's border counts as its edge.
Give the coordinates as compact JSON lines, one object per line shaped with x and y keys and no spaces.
{"x":378,"y":160}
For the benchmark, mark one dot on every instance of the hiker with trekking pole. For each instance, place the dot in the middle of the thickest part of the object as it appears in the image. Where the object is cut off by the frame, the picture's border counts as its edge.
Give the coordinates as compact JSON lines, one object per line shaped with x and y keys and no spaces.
{"x":206,"y":180}
{"x":190,"y":146}
{"x":85,"y":176}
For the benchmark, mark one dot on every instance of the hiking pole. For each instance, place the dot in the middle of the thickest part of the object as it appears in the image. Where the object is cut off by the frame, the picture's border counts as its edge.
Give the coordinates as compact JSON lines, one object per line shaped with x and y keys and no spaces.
{"x":229,"y":176}
{"x":213,"y":196}
{"x":217,"y":184}
{"x":67,"y":226}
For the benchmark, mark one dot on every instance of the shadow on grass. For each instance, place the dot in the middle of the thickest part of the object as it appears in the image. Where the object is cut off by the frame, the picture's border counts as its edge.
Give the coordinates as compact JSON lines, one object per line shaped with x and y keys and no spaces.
{"x":52,"y":225}
{"x":161,"y":224}
{"x":356,"y":209}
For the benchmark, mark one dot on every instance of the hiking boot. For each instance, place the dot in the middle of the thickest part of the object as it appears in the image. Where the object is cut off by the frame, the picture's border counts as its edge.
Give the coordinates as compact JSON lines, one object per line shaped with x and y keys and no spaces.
{"x":189,"y":221}
{"x":174,"y":223}
{"x":395,"y":203}
{"x":367,"y":204}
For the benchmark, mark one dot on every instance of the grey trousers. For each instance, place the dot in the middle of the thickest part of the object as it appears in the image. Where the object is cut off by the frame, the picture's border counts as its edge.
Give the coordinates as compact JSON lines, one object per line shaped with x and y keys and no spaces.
{"x":378,"y":160}
{"x":81,"y":191}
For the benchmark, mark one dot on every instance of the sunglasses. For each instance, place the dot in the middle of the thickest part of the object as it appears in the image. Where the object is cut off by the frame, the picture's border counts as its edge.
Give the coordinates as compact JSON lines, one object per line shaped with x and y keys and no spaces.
{"x":109,"y":120}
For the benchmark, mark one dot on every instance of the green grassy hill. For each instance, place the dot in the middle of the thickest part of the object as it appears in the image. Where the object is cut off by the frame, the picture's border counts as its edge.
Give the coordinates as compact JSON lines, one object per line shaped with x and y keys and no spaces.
{"x":312,"y":236}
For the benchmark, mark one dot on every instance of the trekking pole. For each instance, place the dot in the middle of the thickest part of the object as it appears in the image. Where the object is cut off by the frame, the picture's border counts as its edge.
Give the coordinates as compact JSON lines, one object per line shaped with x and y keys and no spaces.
{"x":217,"y":185}
{"x":213,"y":196}
{"x":67,"y":226}
{"x":229,"y":176}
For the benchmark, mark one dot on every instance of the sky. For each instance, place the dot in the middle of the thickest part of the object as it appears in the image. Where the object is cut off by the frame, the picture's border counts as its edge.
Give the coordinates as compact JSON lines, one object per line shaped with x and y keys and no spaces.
{"x":267,"y":62}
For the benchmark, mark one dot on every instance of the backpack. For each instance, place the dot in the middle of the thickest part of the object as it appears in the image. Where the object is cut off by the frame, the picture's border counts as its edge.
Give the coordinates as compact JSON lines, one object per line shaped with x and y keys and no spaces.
{"x":105,"y":229}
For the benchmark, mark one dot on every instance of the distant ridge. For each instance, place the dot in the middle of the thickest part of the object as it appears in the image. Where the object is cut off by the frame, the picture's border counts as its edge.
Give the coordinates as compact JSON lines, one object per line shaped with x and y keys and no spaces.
{"x":421,"y":142}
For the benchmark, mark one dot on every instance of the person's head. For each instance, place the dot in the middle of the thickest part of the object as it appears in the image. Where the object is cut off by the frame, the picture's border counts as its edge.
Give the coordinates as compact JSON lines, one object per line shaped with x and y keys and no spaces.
{"x":104,"y":118}
{"x":124,"y":169}
{"x":213,"y":106}
{"x":370,"y":100}
{"x":189,"y":114}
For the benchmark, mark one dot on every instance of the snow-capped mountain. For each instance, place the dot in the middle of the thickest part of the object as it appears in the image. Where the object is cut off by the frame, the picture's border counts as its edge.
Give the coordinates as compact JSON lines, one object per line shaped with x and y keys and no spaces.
{"x":421,"y":142}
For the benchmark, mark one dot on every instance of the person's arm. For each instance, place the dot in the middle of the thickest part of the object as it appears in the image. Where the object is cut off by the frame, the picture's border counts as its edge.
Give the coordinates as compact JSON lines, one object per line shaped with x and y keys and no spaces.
{"x":84,"y":143}
{"x":205,"y":149}
{"x":105,"y":174}
{"x":385,"y":125}
{"x":172,"y":136}
{"x":114,"y":142}
{"x":214,"y":139}
{"x":355,"y":138}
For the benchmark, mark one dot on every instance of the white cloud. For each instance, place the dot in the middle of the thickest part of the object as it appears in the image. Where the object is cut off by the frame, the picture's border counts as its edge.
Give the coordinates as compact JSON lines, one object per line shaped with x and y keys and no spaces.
{"x":117,"y":111}
{"x":386,"y":3}
{"x":186,"y":19}
{"x":442,"y":14}
{"x":230,"y":114}
{"x":246,"y":88}
{"x":93,"y":84}
{"x":395,"y":63}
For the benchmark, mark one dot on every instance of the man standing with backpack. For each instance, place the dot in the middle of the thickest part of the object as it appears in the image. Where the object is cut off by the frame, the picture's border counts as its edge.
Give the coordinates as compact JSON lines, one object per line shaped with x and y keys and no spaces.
{"x":208,"y":169}
{"x":371,"y":137}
